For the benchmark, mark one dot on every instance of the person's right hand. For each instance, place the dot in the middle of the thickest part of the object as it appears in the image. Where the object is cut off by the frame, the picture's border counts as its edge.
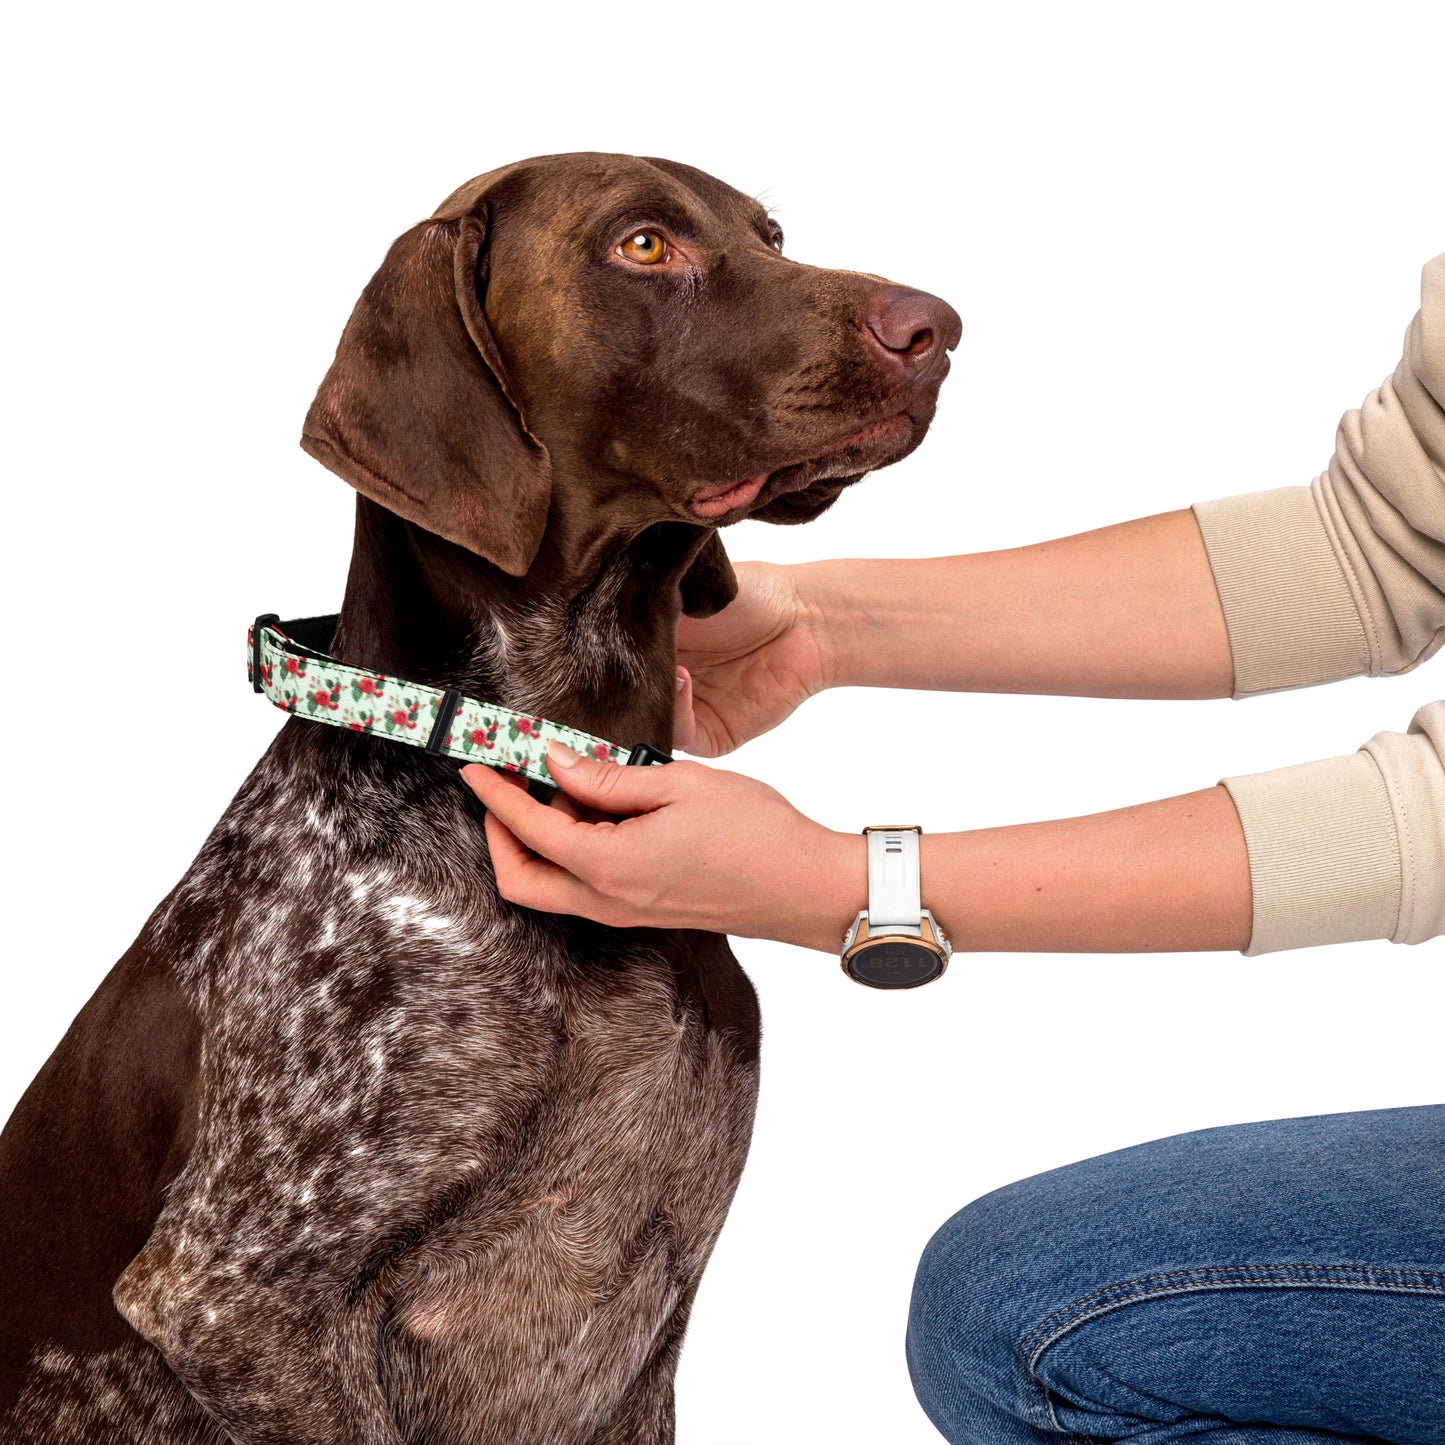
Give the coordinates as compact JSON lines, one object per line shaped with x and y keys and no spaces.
{"x":745,"y":669}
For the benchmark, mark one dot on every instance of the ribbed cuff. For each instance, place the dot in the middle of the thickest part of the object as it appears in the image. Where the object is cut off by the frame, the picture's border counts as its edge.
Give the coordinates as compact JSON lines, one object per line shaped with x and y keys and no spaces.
{"x":1292,"y":621}
{"x":1324,"y":853}
{"x":1413,"y":767}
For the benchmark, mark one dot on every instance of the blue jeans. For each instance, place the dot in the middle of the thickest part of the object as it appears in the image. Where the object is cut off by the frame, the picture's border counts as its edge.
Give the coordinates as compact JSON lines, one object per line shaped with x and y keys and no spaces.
{"x":1265,"y":1284}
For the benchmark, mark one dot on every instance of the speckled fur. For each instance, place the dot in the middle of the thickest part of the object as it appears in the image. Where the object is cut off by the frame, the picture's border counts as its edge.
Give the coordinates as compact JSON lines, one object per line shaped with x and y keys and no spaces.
{"x":438,"y":1138}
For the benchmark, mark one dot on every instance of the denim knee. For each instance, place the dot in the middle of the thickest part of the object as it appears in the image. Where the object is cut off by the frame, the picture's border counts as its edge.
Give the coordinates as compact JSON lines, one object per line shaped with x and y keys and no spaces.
{"x":972,"y":1302}
{"x":1343,"y":1202}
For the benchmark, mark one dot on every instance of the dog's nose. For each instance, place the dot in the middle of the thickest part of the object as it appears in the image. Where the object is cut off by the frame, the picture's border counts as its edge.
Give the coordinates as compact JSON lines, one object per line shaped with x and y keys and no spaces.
{"x":913,"y":326}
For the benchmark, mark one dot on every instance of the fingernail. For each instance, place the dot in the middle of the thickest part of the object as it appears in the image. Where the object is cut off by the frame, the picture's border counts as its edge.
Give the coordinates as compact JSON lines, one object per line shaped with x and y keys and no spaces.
{"x":559,"y":755}
{"x":681,"y":682}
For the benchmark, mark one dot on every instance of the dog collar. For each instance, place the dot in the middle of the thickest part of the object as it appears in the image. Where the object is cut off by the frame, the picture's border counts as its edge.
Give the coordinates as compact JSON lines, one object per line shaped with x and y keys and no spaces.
{"x":289,"y":663}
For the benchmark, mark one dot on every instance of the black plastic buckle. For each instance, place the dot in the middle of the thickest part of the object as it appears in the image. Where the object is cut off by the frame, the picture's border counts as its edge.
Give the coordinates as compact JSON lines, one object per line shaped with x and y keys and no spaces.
{"x":644,"y":754}
{"x":451,"y":701}
{"x":264,"y":620}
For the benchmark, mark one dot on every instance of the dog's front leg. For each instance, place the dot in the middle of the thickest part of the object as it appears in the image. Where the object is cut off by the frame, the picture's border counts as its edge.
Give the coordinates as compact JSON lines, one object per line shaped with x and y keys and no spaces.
{"x":338,"y":1124}
{"x":276,"y":1359}
{"x":259,"y":1281}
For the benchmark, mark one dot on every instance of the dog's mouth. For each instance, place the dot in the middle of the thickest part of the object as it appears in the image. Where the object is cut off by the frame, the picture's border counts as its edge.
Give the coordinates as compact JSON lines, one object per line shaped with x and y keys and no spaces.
{"x":714,"y":502}
{"x":874,"y":445}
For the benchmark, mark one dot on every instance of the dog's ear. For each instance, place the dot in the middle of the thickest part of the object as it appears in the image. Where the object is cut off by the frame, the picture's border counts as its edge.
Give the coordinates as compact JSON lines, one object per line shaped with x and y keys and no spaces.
{"x":417,"y":412}
{"x":709,"y":583}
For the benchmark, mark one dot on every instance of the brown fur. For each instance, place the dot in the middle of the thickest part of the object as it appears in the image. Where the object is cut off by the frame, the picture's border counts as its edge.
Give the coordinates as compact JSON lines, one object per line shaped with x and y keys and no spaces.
{"x":364,"y":1153}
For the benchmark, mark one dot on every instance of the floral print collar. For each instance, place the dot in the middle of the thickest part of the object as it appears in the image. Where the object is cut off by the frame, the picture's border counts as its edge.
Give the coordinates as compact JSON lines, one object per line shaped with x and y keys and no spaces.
{"x":288,"y":662}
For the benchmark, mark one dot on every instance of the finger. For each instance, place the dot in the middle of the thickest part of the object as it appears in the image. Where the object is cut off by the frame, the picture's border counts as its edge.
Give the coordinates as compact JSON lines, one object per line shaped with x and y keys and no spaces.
{"x":608,"y":787}
{"x":572,"y":809}
{"x":544,"y":830}
{"x":684,"y":724}
{"x":530,"y":881}
{"x":509,"y":854}
{"x":694,"y":634}
{"x":514,"y":780}
{"x":710,"y":739}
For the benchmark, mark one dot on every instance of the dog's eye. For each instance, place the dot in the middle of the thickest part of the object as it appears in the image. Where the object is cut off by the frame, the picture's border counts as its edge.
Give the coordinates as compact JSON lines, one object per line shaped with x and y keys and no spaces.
{"x":645,"y":247}
{"x":775,"y":232}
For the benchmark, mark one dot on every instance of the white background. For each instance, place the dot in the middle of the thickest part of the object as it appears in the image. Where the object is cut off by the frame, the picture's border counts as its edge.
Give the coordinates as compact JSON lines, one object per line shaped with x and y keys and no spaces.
{"x":1183,"y":241}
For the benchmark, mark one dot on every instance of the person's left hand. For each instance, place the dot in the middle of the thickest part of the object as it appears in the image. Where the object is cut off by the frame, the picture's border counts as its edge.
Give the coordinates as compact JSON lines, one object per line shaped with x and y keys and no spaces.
{"x":699,"y":848}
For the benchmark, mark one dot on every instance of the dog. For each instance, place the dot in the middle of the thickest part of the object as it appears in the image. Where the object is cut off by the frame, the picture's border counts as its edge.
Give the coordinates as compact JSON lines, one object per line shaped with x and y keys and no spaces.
{"x":346,"y":1148}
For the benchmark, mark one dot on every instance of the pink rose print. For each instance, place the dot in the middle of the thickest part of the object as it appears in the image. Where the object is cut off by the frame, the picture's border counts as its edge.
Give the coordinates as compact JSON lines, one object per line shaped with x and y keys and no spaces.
{"x":402,"y":717}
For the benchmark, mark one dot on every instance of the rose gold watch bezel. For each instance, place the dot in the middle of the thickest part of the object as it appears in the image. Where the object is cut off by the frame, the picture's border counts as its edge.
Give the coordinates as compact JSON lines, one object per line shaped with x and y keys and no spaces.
{"x":928,"y":937}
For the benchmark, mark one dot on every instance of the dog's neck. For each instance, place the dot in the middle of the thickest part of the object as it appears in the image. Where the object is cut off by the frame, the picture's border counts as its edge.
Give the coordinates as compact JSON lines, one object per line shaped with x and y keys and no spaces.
{"x":595,"y":652}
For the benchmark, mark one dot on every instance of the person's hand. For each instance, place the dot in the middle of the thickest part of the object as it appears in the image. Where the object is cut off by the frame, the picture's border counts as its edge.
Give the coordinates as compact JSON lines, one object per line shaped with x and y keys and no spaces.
{"x":703,"y":849}
{"x":745,"y":669}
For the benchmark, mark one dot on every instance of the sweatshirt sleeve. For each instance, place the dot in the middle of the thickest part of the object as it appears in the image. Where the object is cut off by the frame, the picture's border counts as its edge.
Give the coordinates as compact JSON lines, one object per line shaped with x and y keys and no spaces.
{"x":1349,"y":848}
{"x":1344,"y":577}
{"x":1347,"y":575}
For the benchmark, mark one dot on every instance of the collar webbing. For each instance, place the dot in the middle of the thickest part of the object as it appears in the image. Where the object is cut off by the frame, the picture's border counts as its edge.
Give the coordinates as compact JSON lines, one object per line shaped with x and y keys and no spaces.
{"x":288,"y":662}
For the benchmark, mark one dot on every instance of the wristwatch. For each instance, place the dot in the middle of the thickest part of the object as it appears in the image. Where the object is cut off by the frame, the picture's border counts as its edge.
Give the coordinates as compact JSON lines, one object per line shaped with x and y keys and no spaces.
{"x":895,"y":942}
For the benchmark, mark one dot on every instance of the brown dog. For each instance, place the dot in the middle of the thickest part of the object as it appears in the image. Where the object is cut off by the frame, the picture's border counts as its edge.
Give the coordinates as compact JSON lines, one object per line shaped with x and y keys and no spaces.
{"x":363,"y":1153}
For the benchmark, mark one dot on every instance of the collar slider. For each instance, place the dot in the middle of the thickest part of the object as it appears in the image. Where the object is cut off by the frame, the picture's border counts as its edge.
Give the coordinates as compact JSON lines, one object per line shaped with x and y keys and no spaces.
{"x":644,"y":754}
{"x":446,"y":711}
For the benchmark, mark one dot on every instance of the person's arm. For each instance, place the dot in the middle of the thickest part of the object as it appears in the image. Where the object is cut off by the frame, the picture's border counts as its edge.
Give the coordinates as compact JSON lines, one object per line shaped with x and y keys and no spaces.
{"x":705,"y":848}
{"x":1124,"y":611}
{"x":1130,"y":610}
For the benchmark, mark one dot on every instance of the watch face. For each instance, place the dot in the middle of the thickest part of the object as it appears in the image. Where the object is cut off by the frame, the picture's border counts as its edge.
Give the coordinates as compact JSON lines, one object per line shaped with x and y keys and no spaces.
{"x":894,"y":963}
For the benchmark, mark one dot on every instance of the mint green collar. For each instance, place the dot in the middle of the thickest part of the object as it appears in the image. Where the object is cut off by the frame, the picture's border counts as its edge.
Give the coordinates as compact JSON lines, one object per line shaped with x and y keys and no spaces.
{"x":288,"y":662}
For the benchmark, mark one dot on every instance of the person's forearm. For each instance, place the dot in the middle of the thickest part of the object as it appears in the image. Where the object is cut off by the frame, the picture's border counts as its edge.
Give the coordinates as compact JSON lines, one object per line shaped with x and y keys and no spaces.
{"x":1164,"y":876}
{"x":1125,"y":611}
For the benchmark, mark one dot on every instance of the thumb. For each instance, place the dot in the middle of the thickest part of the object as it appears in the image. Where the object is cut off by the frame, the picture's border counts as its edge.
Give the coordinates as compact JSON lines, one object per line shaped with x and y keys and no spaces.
{"x":608,"y":787}
{"x":684,"y":720}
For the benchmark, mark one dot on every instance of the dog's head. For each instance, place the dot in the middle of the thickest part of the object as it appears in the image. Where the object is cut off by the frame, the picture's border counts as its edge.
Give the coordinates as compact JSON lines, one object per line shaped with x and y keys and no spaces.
{"x":587,"y":343}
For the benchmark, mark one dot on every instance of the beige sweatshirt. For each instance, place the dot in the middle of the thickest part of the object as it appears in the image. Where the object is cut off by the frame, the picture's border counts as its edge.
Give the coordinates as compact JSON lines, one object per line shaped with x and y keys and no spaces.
{"x":1343,"y":577}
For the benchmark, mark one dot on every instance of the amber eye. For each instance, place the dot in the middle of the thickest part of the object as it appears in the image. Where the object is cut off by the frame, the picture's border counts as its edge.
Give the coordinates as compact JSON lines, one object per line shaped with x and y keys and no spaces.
{"x":645,"y":247}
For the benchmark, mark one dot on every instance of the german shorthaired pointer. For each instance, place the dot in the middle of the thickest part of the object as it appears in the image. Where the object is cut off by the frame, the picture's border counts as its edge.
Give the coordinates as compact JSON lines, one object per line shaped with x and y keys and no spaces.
{"x":346,"y":1148}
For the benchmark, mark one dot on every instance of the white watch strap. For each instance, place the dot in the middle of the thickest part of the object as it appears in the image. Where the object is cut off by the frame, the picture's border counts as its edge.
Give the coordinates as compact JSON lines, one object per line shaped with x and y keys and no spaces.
{"x":895,"y":897}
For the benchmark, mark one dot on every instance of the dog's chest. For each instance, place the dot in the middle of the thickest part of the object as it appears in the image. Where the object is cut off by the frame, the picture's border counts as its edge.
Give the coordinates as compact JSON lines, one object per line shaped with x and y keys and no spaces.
{"x":525,"y":1132}
{"x":577,"y":1261}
